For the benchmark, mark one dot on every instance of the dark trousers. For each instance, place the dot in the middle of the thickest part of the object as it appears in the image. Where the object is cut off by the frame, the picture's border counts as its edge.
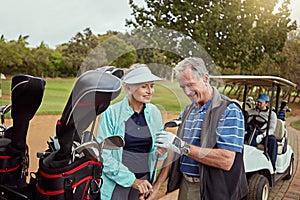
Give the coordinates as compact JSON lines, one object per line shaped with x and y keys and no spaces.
{"x":272,"y":147}
{"x":127,"y":193}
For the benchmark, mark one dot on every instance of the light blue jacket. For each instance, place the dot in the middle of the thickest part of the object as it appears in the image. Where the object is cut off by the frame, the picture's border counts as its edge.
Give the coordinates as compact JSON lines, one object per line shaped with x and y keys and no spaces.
{"x":112,"y":122}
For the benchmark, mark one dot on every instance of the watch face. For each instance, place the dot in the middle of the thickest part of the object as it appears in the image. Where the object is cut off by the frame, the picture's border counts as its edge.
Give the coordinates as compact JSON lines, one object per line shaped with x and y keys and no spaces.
{"x":186,"y":150}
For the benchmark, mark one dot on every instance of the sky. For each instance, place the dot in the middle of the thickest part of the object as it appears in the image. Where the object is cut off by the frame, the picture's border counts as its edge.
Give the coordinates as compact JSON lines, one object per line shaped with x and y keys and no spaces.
{"x":57,"y":21}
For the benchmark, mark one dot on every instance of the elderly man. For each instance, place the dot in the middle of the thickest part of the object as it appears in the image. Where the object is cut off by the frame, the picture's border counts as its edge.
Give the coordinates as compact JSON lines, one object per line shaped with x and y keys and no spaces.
{"x":211,"y":159}
{"x":262,"y":110}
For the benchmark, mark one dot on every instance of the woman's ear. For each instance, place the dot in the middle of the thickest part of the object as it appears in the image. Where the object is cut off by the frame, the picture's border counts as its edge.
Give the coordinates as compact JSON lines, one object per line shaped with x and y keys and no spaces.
{"x":127,"y":88}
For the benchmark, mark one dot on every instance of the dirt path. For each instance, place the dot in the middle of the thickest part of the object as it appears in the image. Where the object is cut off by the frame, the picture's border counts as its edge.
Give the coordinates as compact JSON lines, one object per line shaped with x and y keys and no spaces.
{"x":41,"y":128}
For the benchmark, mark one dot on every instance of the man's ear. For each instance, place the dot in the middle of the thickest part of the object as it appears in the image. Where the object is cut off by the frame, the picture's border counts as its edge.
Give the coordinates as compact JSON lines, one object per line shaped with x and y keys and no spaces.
{"x":205,"y":78}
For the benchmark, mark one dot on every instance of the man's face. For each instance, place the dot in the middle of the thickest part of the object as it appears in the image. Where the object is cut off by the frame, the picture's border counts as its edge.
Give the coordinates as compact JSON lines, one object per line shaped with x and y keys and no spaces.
{"x":262,"y":105}
{"x":194,"y":88}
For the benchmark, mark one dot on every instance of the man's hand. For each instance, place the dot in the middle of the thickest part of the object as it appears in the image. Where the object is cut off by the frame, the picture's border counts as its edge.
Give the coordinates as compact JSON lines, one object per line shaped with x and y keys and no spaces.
{"x":168,"y":140}
{"x":259,"y":138}
{"x":153,"y":195}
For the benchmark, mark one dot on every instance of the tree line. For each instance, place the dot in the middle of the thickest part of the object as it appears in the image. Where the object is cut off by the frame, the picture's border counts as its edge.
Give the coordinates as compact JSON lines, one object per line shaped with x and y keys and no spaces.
{"x":241,"y":37}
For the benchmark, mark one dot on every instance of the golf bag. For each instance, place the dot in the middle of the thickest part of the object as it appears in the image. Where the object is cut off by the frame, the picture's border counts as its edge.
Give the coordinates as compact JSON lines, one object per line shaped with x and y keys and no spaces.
{"x":26,"y":96}
{"x":71,"y":168}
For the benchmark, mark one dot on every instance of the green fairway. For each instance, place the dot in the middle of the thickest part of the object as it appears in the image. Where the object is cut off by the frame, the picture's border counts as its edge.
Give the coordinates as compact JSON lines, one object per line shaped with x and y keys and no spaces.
{"x":55,"y":97}
{"x":168,"y":96}
{"x":296,"y":125}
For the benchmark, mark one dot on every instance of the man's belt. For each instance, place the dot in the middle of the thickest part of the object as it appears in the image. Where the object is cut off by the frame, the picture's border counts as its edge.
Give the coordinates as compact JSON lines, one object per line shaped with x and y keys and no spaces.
{"x":191,"y":179}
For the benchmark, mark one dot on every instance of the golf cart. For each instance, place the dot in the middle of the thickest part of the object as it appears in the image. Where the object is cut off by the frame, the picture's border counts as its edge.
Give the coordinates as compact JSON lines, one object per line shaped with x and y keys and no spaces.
{"x":259,"y":170}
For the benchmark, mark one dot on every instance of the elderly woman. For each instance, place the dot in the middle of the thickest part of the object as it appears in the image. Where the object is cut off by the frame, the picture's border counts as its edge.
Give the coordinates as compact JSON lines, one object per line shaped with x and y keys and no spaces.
{"x":127,"y":172}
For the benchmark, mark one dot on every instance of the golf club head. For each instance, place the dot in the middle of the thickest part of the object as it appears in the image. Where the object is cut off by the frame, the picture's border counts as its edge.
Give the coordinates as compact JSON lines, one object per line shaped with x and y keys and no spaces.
{"x":112,"y":143}
{"x":86,"y":145}
{"x":250,"y":99}
{"x":173,"y":123}
{"x":93,"y":149}
{"x":283,"y":104}
{"x":5,"y":109}
{"x":90,"y":149}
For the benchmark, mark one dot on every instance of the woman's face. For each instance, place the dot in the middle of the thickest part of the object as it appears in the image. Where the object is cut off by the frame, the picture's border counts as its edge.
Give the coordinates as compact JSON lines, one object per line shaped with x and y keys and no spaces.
{"x":142,"y":93}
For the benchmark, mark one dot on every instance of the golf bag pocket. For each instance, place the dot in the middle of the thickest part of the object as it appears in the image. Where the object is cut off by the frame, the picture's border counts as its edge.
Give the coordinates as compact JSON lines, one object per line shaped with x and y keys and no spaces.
{"x":13,"y":169}
{"x":79,"y":180}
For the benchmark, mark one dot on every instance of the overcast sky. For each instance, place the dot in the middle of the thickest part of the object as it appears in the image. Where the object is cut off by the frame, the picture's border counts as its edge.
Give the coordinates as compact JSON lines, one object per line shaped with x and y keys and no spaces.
{"x":57,"y":21}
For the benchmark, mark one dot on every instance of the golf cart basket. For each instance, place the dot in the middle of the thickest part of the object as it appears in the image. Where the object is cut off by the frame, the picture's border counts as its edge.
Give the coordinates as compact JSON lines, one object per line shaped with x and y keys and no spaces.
{"x":64,"y":172}
{"x":26,"y":96}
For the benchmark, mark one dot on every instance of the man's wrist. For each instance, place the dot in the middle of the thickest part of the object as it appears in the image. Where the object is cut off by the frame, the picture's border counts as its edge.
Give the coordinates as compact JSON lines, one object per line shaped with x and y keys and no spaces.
{"x":185,"y":149}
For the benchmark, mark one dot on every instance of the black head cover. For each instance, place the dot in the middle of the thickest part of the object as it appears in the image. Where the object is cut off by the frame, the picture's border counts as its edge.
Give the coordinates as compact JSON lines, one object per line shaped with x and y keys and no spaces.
{"x":91,"y":95}
{"x":26,"y":96}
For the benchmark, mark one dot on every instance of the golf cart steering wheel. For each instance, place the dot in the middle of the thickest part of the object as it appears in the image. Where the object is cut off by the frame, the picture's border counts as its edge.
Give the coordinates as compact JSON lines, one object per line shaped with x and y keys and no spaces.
{"x":254,"y":123}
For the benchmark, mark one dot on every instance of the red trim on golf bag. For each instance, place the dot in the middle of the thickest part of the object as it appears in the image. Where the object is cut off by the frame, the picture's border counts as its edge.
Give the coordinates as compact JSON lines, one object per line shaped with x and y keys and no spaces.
{"x":13,"y":170}
{"x":5,"y":161}
{"x":79,"y":180}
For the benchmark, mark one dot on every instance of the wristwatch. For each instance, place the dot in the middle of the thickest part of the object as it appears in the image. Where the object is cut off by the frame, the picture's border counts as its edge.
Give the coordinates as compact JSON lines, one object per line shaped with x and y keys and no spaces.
{"x":185,"y":150}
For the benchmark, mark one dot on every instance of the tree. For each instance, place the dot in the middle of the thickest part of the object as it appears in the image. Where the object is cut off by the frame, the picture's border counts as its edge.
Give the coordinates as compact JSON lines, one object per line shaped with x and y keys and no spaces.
{"x":290,"y":65}
{"x":111,"y":50}
{"x":78,"y":48}
{"x":41,"y":55}
{"x":237,"y":34}
{"x":16,"y":57}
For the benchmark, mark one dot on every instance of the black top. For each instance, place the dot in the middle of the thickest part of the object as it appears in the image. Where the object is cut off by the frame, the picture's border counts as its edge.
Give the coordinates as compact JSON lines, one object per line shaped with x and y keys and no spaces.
{"x":138,"y":143}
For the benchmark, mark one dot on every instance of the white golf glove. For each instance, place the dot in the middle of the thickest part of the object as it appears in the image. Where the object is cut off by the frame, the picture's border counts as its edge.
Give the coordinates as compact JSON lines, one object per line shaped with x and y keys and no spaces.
{"x":169,"y":141}
{"x":259,"y":138}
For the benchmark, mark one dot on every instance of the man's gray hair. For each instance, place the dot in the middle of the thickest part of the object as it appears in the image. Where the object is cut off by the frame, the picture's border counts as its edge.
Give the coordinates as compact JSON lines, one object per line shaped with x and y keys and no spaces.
{"x":196,"y":64}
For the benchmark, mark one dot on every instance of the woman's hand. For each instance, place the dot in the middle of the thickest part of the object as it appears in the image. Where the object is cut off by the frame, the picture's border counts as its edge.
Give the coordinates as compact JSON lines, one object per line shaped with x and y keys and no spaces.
{"x":143,"y":186}
{"x":160,"y":151}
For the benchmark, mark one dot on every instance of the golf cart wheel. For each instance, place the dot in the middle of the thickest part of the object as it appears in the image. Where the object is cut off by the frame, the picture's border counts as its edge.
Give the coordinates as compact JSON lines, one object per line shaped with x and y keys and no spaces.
{"x":290,"y":169}
{"x":258,"y":188}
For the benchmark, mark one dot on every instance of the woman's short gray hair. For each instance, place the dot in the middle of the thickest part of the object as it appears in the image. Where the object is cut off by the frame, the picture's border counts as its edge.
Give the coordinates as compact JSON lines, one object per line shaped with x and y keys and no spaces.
{"x":194,"y":63}
{"x":132,"y":87}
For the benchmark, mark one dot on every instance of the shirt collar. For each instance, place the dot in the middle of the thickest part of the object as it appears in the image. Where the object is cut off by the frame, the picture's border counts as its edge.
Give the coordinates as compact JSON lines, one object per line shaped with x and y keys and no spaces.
{"x":202,"y":108}
{"x":131,"y":111}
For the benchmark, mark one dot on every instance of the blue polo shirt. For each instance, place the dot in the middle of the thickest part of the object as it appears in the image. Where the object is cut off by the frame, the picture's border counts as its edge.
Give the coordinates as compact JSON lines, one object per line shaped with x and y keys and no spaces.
{"x":230,"y":133}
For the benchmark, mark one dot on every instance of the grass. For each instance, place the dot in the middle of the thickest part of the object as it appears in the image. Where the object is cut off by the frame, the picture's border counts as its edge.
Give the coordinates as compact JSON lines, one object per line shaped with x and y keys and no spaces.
{"x":168,"y":96}
{"x":55,"y":97}
{"x":296,"y":125}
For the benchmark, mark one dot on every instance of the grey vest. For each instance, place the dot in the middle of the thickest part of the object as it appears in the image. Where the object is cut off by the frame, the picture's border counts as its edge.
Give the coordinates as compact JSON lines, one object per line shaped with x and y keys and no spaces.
{"x":217,"y":183}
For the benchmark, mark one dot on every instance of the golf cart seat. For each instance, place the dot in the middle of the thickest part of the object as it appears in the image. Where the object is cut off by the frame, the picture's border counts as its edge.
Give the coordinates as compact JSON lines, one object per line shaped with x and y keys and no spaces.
{"x":281,"y":136}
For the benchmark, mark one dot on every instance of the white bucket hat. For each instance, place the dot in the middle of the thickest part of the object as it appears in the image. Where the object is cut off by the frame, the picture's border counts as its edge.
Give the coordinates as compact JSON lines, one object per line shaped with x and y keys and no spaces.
{"x":140,"y":74}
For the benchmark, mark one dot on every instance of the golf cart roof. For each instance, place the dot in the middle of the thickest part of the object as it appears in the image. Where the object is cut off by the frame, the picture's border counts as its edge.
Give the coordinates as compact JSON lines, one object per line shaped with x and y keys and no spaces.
{"x":251,"y":80}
